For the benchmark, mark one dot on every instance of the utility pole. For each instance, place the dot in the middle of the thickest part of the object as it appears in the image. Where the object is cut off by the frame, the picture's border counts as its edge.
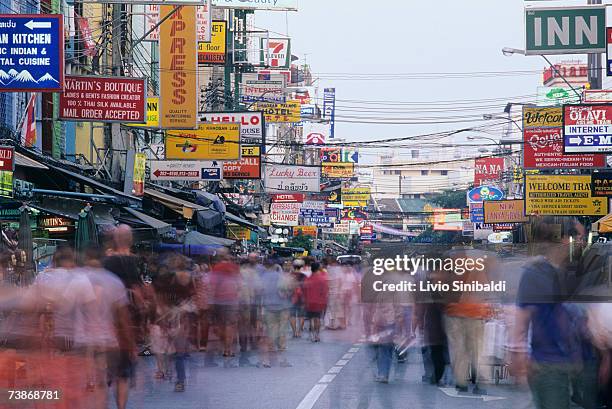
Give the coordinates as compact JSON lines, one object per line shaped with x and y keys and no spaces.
{"x":117,"y":143}
{"x":594,"y":62}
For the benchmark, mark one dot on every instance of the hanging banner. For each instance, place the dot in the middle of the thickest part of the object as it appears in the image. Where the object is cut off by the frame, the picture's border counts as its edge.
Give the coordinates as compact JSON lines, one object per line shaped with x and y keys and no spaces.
{"x":208,"y":142}
{"x":203,"y":18}
{"x":291,"y":178}
{"x":602,"y":184}
{"x":562,"y":195}
{"x":140,"y":166}
{"x":488,"y":170}
{"x":7,"y":166}
{"x":248,"y":167}
{"x":179,"y":93}
{"x":182,"y":170}
{"x":289,"y":112}
{"x":543,"y":148}
{"x":251,"y":124}
{"x":275,"y":5}
{"x":152,"y":114}
{"x":276,"y":52}
{"x":329,"y":109}
{"x":587,"y":128}
{"x":504,"y":211}
{"x":88,"y":42}
{"x":285,"y":214}
{"x":337,"y":170}
{"x":103,"y":99}
{"x":31,"y":52}
{"x":356,"y":197}
{"x":215,"y":51}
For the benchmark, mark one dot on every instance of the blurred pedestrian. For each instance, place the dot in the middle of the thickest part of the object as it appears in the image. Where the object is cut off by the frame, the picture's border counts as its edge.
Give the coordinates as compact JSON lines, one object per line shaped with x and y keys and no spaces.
{"x":316,"y":291}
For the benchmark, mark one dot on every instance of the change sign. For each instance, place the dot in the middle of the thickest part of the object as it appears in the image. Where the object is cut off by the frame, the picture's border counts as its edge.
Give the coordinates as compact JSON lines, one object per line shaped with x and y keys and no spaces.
{"x":587,"y":128}
{"x":31,"y":52}
{"x":565,"y":30}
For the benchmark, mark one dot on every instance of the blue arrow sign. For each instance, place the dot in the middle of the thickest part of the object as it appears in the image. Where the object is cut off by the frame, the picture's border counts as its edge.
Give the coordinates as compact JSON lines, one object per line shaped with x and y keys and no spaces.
{"x":31,"y":52}
{"x":587,"y":143}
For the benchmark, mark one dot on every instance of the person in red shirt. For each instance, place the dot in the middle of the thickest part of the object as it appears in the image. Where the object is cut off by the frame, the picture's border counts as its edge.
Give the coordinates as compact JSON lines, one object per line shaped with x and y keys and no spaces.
{"x":226,"y":285}
{"x":315,"y":296}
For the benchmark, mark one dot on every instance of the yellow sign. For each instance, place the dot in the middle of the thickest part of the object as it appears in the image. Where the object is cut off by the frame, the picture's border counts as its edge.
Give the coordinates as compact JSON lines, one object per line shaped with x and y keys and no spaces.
{"x":539,"y":117}
{"x":152,"y":114}
{"x":337,"y":170}
{"x":356,"y":197}
{"x":208,"y":142}
{"x":238,"y":233}
{"x":306,"y":231}
{"x":214,"y":52}
{"x":291,"y":111}
{"x":178,"y":68}
{"x":562,"y":195}
{"x":250,"y":151}
{"x":140,"y":165}
{"x":504,"y":211}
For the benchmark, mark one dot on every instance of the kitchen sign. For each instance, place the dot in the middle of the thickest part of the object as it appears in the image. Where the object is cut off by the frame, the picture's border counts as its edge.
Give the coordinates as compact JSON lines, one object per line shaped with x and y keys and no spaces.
{"x":587,"y":128}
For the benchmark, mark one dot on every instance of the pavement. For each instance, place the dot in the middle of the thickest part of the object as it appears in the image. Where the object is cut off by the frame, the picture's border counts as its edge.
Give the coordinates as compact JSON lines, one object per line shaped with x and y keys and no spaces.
{"x":335,"y":373}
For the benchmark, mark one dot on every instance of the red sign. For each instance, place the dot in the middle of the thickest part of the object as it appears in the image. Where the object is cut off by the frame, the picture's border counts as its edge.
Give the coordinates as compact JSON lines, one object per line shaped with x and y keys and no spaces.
{"x":245,"y":168}
{"x":487,"y":170}
{"x":543,"y":148}
{"x":565,"y":70}
{"x":103,"y":99}
{"x":288,"y":198}
{"x":6,"y":158}
{"x":176,"y":173}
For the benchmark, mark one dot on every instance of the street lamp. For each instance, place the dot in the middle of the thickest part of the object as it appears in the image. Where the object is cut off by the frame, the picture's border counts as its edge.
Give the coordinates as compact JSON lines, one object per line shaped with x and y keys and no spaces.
{"x":509,"y":51}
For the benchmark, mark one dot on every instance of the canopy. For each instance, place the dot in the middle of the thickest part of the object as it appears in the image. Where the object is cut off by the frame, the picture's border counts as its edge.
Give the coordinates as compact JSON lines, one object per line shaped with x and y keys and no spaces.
{"x":194,"y":238}
{"x":180,"y":206}
{"x":604,"y":225}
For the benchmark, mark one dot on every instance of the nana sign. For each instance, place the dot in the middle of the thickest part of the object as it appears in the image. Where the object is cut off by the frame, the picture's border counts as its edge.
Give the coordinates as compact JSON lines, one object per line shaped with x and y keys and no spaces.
{"x":31,"y":52}
{"x":565,"y":30}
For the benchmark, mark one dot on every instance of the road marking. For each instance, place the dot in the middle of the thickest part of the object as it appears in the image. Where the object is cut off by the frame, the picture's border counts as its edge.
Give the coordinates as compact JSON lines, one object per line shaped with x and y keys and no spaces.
{"x":311,"y":397}
{"x":453,"y":393}
{"x":327,"y":378}
{"x":315,"y":393}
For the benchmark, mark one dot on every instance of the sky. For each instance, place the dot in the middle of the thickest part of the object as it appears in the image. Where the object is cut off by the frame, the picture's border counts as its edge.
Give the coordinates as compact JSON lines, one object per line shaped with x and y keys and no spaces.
{"x":340,"y":39}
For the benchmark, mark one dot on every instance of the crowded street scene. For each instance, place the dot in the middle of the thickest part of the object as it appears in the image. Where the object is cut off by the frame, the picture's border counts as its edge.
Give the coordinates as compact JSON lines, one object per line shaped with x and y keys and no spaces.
{"x":300,"y":204}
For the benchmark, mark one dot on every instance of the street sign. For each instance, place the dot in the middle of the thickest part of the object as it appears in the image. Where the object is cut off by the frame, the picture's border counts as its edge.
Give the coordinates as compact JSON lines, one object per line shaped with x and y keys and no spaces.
{"x":565,"y":30}
{"x":587,"y":128}
{"x":181,"y":170}
{"x":31,"y":52}
{"x":562,"y":195}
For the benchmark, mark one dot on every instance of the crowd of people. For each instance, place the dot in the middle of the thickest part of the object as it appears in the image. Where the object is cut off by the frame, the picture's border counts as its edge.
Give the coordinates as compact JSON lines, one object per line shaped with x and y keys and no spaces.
{"x":81,"y":325}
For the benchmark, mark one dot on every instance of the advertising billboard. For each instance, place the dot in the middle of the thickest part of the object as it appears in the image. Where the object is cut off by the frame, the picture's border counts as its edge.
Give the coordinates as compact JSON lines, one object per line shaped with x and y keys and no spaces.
{"x":329,"y":109}
{"x":31,"y":52}
{"x":356,"y":197}
{"x":274,"y":5}
{"x":537,"y":117}
{"x":602,"y":184}
{"x":587,"y":128}
{"x":338,"y":170}
{"x":292,"y":178}
{"x":562,"y":195}
{"x":289,"y":112}
{"x":543,"y":148}
{"x":214,"y":51}
{"x":248,"y":167}
{"x":179,"y":93}
{"x":285,"y":214}
{"x":203,"y":18}
{"x":254,"y":88}
{"x":7,"y":166}
{"x":276,"y":52}
{"x":488,"y":170}
{"x":152,"y":120}
{"x":208,"y":142}
{"x":504,"y":211}
{"x":251,"y":124}
{"x":181,"y":170}
{"x":103,"y":99}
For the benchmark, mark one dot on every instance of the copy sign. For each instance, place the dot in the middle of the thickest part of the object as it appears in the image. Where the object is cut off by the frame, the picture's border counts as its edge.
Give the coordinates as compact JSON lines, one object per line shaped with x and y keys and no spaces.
{"x":31,"y":52}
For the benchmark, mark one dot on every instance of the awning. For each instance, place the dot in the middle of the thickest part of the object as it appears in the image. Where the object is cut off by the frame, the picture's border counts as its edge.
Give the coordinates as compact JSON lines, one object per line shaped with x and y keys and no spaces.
{"x":160,"y":226}
{"x":604,"y":225}
{"x":70,"y":209}
{"x":22,"y":160}
{"x":180,"y":206}
{"x":194,"y":238}
{"x":245,"y":223}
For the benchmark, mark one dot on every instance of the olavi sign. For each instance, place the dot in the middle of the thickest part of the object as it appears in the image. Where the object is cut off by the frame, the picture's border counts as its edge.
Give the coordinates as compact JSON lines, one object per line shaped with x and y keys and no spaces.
{"x":482,"y":193}
{"x":565,"y":30}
